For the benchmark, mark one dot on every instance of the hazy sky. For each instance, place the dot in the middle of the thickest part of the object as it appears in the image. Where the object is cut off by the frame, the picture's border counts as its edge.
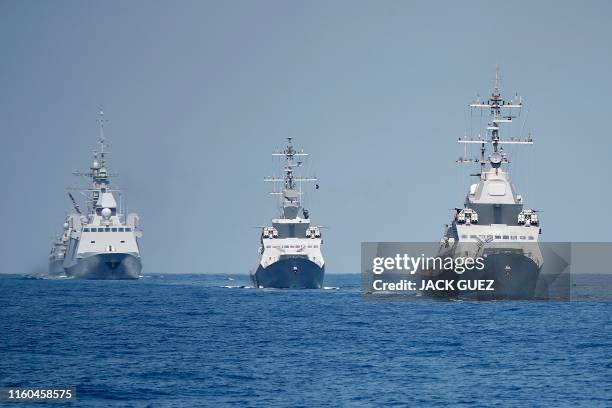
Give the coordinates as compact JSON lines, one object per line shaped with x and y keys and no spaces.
{"x":199,"y":93}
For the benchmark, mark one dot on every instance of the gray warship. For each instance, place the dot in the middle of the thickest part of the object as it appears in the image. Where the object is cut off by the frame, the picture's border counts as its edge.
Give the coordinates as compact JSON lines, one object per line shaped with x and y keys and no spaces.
{"x":58,"y":252}
{"x":103,"y":243}
{"x":494,"y":223}
{"x":290,"y":253}
{"x":60,"y":245}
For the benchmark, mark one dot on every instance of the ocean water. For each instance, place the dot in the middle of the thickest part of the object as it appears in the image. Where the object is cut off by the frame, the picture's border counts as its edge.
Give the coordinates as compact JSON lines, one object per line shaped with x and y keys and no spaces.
{"x":202,"y":340}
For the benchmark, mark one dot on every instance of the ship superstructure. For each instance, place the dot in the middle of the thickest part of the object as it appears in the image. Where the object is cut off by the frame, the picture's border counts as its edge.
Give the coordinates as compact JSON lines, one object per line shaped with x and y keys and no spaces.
{"x":103,"y":243}
{"x":290,"y":253}
{"x":494,"y":223}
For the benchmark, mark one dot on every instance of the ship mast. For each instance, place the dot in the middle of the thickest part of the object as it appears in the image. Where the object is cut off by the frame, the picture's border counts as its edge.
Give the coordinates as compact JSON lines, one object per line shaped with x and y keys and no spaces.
{"x":291,"y":194}
{"x":500,"y":112}
{"x":101,"y":141}
{"x":98,"y":173}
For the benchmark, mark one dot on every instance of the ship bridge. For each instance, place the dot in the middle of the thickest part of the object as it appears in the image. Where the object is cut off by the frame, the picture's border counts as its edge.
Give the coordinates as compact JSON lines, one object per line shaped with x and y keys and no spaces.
{"x":494,"y":199}
{"x":291,"y":228}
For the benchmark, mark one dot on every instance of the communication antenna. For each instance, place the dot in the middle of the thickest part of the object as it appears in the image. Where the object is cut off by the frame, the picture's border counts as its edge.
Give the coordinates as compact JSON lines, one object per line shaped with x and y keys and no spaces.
{"x":500,"y":112}
{"x":74,"y":204}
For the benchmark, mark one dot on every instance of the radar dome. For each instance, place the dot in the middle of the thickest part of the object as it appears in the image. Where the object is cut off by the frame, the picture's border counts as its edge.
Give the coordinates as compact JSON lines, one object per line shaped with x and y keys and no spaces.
{"x":106,"y":213}
{"x":65,"y":225}
{"x":95,"y":165}
{"x":496,"y":159}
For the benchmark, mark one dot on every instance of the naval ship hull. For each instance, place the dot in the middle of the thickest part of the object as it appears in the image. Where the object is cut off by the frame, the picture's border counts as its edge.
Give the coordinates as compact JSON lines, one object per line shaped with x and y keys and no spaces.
{"x":56,"y":267}
{"x":290,"y":273}
{"x":513,"y":273}
{"x":106,"y":266}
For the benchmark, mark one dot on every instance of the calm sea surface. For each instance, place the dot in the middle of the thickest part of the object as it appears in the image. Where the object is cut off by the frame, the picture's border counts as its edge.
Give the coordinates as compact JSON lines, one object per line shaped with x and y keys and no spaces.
{"x":202,"y":340}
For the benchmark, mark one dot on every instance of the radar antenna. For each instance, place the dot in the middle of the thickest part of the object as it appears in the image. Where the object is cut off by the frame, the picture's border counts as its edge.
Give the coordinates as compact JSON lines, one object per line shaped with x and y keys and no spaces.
{"x":291,"y":192}
{"x":501,"y":112}
{"x":98,"y":172}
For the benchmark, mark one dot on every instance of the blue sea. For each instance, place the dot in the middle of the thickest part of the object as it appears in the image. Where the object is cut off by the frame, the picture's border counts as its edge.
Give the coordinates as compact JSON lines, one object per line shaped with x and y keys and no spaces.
{"x":206,"y":341}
